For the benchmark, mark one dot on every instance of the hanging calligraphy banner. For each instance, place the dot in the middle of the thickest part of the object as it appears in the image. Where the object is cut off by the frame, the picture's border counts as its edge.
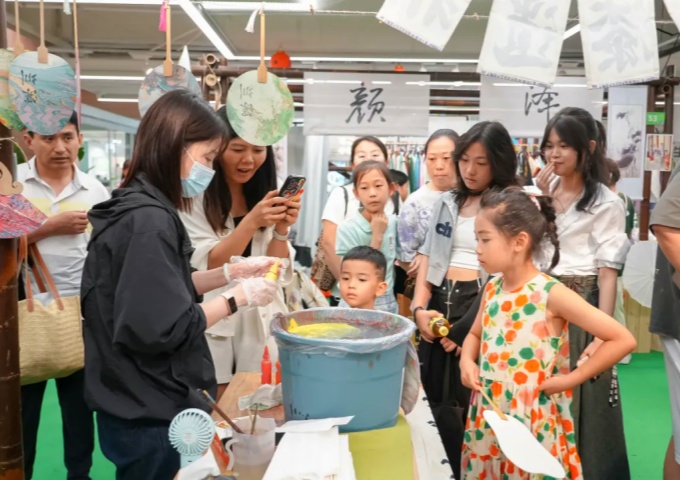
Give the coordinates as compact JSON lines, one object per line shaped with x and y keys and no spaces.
{"x":524,"y":39}
{"x":619,"y":41}
{"x":431,"y":22}
{"x":366,"y":104}
{"x":526,"y":109}
{"x":626,"y":125}
{"x":673,"y":7}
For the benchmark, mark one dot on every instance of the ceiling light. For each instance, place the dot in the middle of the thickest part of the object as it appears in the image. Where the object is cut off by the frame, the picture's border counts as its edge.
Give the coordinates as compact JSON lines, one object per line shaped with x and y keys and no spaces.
{"x":363,"y":59}
{"x":446,"y":84}
{"x":248,"y":7}
{"x":557,"y":85}
{"x":381,"y":82}
{"x":108,"y":2}
{"x":572,"y":31}
{"x":197,"y":17}
{"x":112,"y":77}
{"x":117,"y":100}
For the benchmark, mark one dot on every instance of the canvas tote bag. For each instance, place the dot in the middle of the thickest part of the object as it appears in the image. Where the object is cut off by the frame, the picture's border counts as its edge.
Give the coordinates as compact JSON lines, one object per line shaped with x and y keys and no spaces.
{"x":50,"y":336}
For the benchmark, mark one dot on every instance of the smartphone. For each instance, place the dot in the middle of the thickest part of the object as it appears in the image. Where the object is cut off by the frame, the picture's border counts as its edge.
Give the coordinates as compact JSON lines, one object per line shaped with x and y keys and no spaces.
{"x":292,"y":186}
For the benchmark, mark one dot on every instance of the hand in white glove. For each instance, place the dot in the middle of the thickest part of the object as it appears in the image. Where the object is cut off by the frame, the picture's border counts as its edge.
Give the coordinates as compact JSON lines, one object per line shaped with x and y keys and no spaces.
{"x":253,"y":292}
{"x":248,"y":267}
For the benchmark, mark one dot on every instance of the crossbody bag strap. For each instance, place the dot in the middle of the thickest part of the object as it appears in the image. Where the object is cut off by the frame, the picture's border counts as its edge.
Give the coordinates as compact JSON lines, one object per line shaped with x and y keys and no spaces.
{"x":23,"y":259}
{"x":42,"y":267}
{"x":37,"y":277}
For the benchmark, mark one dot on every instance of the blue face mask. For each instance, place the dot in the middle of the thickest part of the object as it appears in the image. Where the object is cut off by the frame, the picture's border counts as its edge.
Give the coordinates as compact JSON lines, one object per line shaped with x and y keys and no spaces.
{"x":200,"y":177}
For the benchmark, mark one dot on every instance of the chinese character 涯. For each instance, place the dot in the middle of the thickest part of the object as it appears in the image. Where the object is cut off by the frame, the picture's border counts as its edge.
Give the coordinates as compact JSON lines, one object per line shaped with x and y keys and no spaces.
{"x":247,"y":109}
{"x":31,"y":97}
{"x":374,"y":106}
{"x":544,"y":100}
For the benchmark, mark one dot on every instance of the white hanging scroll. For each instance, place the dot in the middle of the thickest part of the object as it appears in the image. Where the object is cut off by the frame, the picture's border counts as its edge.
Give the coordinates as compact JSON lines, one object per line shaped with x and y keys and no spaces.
{"x":524,"y":39}
{"x":619,"y":41}
{"x":431,"y":22}
{"x":673,"y":7}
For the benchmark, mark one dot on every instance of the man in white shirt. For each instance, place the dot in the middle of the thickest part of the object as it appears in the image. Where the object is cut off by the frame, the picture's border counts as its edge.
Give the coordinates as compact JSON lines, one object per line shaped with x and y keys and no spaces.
{"x":54,"y":184}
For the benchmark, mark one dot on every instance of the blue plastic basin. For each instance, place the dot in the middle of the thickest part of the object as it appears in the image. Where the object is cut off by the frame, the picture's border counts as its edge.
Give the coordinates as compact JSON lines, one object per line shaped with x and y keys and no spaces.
{"x":336,"y":378}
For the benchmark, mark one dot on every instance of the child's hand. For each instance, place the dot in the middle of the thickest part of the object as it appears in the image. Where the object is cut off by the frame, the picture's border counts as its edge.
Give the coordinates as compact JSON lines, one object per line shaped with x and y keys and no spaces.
{"x":450,"y":346}
{"x":379,"y":223}
{"x":555,"y":385}
{"x":469,"y":372}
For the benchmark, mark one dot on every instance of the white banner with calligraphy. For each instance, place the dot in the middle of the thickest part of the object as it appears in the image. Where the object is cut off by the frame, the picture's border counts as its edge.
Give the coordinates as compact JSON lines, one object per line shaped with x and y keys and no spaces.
{"x":526,"y":109}
{"x":619,"y":41}
{"x":366,"y":104}
{"x":431,"y":22}
{"x":626,"y":134}
{"x":524,"y":39}
{"x":673,"y":7}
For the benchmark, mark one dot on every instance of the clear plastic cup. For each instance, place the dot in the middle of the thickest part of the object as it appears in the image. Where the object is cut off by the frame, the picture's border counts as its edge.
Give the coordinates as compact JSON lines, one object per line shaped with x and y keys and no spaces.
{"x":252,"y":453}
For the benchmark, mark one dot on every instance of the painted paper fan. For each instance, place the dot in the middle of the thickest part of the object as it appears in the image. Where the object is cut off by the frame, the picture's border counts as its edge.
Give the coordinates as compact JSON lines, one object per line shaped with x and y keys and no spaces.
{"x":18,"y":216}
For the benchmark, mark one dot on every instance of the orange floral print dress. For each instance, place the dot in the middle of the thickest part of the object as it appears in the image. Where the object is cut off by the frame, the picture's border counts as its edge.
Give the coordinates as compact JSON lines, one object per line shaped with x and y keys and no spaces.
{"x":517,"y":354}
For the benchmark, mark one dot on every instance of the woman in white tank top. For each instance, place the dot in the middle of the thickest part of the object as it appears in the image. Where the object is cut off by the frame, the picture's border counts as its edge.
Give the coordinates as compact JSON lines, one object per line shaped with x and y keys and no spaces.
{"x":450,"y":276}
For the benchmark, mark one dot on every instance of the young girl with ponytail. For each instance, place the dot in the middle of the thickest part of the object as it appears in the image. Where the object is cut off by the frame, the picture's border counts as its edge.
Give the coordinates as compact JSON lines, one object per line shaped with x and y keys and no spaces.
{"x":518,"y":349}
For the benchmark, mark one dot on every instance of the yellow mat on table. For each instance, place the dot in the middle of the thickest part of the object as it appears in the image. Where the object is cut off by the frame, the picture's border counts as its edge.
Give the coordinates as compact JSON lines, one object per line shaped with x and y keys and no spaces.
{"x":381,"y":454}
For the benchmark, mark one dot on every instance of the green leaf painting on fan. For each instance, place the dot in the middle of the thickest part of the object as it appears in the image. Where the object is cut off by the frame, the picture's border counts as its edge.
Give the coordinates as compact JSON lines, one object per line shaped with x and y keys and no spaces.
{"x":261,"y":113}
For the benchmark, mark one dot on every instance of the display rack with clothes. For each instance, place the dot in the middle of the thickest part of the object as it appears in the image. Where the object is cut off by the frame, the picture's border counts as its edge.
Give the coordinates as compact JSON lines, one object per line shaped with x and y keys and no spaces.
{"x":408,"y":157}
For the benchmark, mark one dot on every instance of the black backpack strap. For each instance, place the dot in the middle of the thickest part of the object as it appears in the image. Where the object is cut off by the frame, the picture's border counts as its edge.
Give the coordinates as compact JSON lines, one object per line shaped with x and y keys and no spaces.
{"x":395,"y":202}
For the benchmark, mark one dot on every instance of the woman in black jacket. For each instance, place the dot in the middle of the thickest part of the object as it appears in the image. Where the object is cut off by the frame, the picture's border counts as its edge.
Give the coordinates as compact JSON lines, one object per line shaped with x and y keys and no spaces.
{"x":145,"y":348}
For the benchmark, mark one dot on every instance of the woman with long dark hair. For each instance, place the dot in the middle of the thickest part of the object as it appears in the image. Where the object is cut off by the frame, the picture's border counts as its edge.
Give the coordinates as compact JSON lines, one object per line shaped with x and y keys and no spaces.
{"x":242,"y":215}
{"x":144,"y":328}
{"x":449,"y":275}
{"x":593,"y":246}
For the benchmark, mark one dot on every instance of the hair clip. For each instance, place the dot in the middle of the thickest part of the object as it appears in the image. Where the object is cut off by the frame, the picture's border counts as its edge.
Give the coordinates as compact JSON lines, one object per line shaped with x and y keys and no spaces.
{"x":535,"y":200}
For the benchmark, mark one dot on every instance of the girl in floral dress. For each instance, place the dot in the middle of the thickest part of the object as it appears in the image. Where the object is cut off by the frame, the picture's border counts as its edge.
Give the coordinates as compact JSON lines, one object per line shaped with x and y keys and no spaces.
{"x":518,"y":348}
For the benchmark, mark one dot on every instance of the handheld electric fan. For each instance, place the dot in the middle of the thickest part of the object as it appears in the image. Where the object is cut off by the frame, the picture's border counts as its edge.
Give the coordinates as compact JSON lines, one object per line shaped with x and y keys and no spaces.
{"x":191,"y":433}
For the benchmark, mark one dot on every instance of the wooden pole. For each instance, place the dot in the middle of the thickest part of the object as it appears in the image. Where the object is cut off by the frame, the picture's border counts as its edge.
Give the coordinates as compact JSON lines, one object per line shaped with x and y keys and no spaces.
{"x":11,"y":457}
{"x":647,"y":185}
{"x":669,"y":96}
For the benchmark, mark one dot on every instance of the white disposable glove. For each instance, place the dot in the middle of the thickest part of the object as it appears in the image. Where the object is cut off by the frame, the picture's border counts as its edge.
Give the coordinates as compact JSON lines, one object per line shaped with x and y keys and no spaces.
{"x":247,"y":267}
{"x":253,"y":292}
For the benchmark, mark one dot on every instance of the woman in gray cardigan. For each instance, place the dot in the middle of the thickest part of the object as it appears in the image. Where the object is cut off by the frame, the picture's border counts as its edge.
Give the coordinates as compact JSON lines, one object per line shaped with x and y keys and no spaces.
{"x":450,"y":276}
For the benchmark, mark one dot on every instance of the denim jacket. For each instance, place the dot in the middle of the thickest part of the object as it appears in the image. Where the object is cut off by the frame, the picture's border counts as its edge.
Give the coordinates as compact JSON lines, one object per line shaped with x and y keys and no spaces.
{"x":439,"y":238}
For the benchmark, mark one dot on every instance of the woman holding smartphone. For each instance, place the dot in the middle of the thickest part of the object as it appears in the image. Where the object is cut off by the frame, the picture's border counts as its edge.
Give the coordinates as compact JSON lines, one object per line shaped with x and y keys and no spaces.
{"x":241,"y":214}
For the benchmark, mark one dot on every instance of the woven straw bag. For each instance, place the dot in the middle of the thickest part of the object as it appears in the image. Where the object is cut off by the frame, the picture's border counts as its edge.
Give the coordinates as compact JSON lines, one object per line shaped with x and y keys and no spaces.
{"x":50,"y":336}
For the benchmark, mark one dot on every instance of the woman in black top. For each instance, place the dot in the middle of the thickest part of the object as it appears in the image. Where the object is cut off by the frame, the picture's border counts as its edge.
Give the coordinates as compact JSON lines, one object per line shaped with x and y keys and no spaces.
{"x":145,"y":348}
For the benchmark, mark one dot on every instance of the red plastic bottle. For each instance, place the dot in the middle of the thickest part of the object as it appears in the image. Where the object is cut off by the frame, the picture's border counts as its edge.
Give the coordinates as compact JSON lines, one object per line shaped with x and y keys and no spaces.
{"x":266,"y":367}
{"x":278,"y":372}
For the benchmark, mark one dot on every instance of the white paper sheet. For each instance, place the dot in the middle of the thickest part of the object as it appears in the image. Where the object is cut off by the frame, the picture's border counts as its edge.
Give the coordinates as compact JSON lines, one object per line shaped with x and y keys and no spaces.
{"x":522,"y":448}
{"x":311,"y":456}
{"x":313,"y":426}
{"x":524,"y":39}
{"x":431,"y":22}
{"x":619,"y":41}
